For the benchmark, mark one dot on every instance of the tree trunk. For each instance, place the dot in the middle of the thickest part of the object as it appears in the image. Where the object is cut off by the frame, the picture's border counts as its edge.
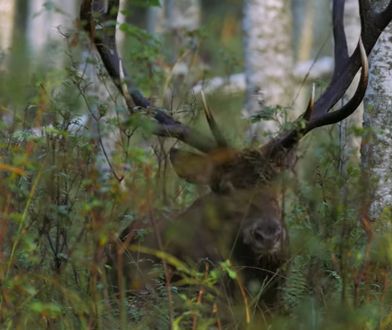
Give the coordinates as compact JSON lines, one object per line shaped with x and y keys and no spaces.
{"x":377,"y":150}
{"x":349,"y":143}
{"x":268,"y":56}
{"x":7,"y":13}
{"x":174,"y":15}
{"x":46,"y":22}
{"x":173,"y":21}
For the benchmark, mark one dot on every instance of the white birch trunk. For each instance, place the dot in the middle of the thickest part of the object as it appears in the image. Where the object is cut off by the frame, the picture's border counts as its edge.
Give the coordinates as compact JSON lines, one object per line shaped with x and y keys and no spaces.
{"x":349,"y":143}
{"x":377,"y":153}
{"x":7,"y":14}
{"x":174,"y":15}
{"x":304,"y":17}
{"x":306,"y":36}
{"x":172,"y":22}
{"x":268,"y":56}
{"x":44,"y":26}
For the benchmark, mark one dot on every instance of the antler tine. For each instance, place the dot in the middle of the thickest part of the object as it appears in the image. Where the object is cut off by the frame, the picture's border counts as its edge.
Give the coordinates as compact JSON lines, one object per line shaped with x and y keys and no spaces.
{"x":341,"y":55}
{"x":309,"y":110}
{"x":372,"y":25}
{"x":346,"y":68}
{"x":353,"y":103}
{"x":98,"y":22}
{"x":219,"y":138}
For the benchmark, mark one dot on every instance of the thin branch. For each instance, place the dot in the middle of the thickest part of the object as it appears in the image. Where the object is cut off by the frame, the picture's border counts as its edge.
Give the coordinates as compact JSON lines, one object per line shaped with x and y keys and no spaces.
{"x":118,"y":178}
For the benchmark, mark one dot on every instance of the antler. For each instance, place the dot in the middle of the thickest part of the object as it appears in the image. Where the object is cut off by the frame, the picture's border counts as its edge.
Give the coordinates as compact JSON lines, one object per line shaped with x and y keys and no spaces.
{"x":346,"y":67}
{"x":98,"y":19}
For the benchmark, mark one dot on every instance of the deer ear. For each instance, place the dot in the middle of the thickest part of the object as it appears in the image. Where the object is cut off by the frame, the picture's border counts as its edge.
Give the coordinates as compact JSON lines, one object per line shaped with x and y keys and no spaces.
{"x":193,"y":167}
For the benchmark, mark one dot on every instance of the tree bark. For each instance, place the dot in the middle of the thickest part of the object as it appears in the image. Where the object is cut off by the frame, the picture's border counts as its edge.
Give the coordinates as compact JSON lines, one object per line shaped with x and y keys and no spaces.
{"x":350,"y":144}
{"x":173,"y":21}
{"x":7,"y":13}
{"x":45,"y":25}
{"x":377,"y":150}
{"x":174,"y":15}
{"x":268,"y":57}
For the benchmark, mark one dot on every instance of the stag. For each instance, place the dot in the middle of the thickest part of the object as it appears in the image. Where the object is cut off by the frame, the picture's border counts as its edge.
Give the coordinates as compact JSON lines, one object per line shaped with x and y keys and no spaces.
{"x":243,"y":191}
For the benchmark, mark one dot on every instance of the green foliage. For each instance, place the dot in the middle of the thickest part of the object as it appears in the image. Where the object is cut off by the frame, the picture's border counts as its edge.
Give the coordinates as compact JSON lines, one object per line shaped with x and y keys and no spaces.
{"x":268,"y":113}
{"x":295,"y":287}
{"x":147,"y":3}
{"x":142,"y":56}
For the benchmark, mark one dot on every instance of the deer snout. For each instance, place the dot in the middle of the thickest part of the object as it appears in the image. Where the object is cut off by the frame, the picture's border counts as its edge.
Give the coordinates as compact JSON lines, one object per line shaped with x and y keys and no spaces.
{"x":266,"y":237}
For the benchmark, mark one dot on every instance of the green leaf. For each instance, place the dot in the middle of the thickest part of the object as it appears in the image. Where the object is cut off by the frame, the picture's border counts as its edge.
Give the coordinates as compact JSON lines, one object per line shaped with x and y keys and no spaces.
{"x":46,"y":309}
{"x":266,"y":113}
{"x":228,"y":268}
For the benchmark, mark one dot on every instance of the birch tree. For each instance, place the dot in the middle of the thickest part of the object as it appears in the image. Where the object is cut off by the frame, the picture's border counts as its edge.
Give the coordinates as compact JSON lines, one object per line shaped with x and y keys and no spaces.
{"x":174,"y":15}
{"x":268,"y":56}
{"x":172,"y":22}
{"x":46,"y":21}
{"x":7,"y":12}
{"x":349,"y":143}
{"x":175,"y":18}
{"x":377,"y":151}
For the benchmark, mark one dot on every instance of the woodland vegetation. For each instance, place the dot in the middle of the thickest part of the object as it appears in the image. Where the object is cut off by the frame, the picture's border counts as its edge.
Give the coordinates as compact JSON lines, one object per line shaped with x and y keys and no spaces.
{"x":82,"y":176}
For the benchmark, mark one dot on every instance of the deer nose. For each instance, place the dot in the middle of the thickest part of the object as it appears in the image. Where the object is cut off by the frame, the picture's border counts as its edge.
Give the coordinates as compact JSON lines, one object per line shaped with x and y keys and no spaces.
{"x":267,"y":236}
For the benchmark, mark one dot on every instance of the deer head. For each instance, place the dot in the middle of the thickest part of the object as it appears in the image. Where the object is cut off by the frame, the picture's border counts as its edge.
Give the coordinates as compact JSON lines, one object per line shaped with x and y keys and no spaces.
{"x":248,"y":202}
{"x":241,"y":181}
